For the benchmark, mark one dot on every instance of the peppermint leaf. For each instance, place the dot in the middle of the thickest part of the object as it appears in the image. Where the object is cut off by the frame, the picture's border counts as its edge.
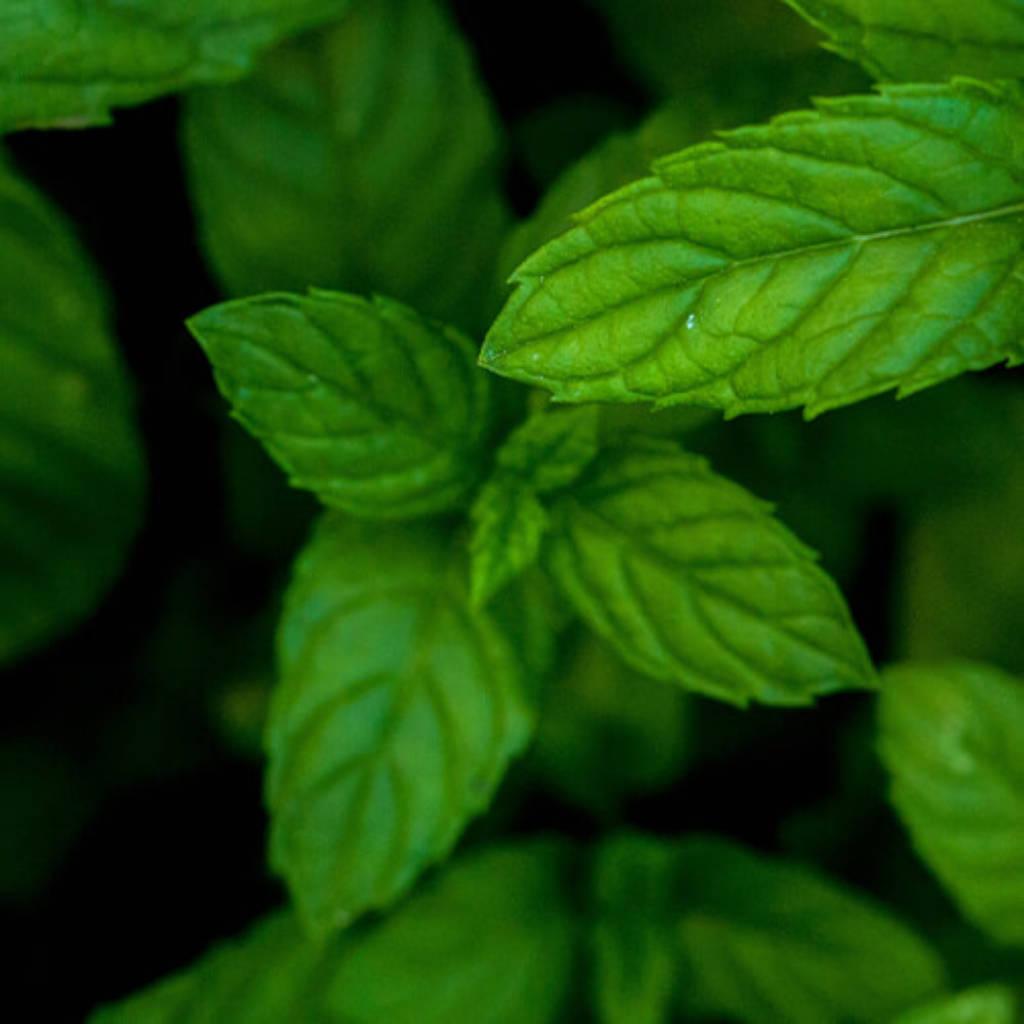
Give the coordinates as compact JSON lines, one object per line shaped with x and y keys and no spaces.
{"x":491,"y":940}
{"x":265,"y":977}
{"x":398,"y":710}
{"x":634,"y":962}
{"x":991,"y":1004}
{"x":71,"y":475}
{"x":693,"y":580}
{"x":65,"y":65}
{"x":953,"y":742}
{"x":365,"y":158}
{"x":376,"y":410}
{"x":551,"y":449}
{"x":928,"y":42}
{"x":763,"y":941}
{"x":871,"y":244}
{"x":508,"y":526}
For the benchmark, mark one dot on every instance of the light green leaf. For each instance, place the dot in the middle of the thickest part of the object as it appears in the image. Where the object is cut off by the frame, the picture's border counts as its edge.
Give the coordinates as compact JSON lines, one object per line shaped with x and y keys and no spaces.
{"x":508,"y":526}
{"x":693,"y":580}
{"x":397,"y":712}
{"x":953,"y":742}
{"x":871,"y":244}
{"x":366,"y":158}
{"x":606,"y":733}
{"x":65,"y":65}
{"x":764,"y":941}
{"x":71,"y":475}
{"x":634,"y":961}
{"x":268,"y":976}
{"x":490,"y":941}
{"x":551,"y":449}
{"x":924,"y":40}
{"x":991,"y":1004}
{"x":376,"y":410}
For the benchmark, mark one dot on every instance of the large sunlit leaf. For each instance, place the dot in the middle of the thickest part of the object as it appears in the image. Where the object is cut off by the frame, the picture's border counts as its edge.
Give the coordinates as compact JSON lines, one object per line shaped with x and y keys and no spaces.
{"x":953,"y":742}
{"x":374,"y":409}
{"x":873,"y":243}
{"x":70,"y":461}
{"x":398,"y":709}
{"x":924,"y":40}
{"x":364,"y":158}
{"x":694,"y":580}
{"x":65,"y":65}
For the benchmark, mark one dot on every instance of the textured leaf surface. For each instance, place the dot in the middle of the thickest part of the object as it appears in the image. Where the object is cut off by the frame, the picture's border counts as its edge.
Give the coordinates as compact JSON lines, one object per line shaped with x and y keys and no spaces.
{"x":953,"y":742}
{"x":491,"y":941}
{"x":70,"y":461}
{"x":992,"y":1004}
{"x":365,"y":158}
{"x":634,"y":962}
{"x":606,"y":732}
{"x":765,"y":941}
{"x":924,"y":40}
{"x":551,"y":449}
{"x":266,"y":977}
{"x":376,"y":410}
{"x":67,"y":64}
{"x":508,"y":526}
{"x":874,"y":243}
{"x":398,"y":710}
{"x":694,"y":580}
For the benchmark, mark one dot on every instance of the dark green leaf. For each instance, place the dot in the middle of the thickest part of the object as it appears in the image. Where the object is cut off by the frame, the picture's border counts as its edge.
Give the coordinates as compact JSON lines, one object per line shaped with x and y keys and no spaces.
{"x":491,"y":941}
{"x":694,"y":580}
{"x":813,"y":262}
{"x":71,"y":475}
{"x":365,"y":158}
{"x":398,"y":710}
{"x":992,"y":1004}
{"x":953,"y":742}
{"x":65,"y":65}
{"x":924,"y":42}
{"x":376,"y":410}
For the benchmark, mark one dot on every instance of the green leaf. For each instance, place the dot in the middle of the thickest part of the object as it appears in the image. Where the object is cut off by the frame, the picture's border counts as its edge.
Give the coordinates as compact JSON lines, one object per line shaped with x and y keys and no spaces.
{"x":762,"y":940}
{"x":605,"y":733}
{"x":924,"y":42}
{"x":365,"y":158}
{"x":551,"y":449}
{"x":634,"y":963}
{"x":508,"y":526}
{"x":813,"y":262}
{"x":992,"y":1004}
{"x":398,"y":710}
{"x":376,"y":410}
{"x":693,"y":580}
{"x":65,"y":65}
{"x":71,"y":475}
{"x":953,"y":742}
{"x":491,"y":941}
{"x":268,"y":976}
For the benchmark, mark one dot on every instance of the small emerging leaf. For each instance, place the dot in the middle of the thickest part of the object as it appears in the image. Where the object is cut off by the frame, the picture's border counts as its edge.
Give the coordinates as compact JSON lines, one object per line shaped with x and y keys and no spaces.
{"x":924,"y":42}
{"x":694,"y":580}
{"x":876,"y":242}
{"x":65,"y":65}
{"x":398,"y":710}
{"x":953,"y":742}
{"x":376,"y":410}
{"x":992,"y":1004}
{"x":551,"y":449}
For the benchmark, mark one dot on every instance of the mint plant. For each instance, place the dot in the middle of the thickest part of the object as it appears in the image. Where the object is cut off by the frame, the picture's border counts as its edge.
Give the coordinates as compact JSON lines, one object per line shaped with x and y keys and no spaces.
{"x":569,"y":602}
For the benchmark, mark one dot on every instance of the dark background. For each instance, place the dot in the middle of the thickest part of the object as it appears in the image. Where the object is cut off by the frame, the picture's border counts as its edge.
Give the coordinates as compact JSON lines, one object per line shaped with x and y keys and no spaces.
{"x":167,"y":853}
